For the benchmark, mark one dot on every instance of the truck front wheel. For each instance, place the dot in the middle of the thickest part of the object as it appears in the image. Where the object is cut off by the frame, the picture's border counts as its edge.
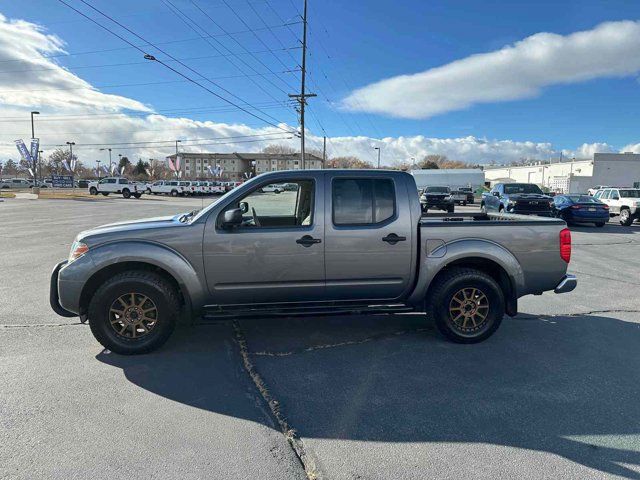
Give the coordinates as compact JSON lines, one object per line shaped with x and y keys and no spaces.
{"x":93,"y":191}
{"x":133,"y":312}
{"x":466,"y":304}
{"x":126,"y":193}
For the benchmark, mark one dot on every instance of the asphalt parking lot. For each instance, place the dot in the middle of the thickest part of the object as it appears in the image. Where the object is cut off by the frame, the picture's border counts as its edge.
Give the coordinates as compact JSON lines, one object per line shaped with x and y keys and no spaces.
{"x":554,"y":394}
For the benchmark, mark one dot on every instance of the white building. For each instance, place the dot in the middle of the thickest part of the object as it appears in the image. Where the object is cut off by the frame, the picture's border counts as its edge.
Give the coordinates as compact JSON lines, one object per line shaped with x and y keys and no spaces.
{"x":574,"y":176}
{"x":449,"y":177}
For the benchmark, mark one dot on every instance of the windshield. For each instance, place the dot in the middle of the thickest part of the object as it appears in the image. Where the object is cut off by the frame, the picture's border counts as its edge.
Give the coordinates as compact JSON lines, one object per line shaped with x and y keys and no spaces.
{"x":436,"y":190}
{"x":582,"y":199}
{"x":631,"y":193}
{"x":522,"y":188}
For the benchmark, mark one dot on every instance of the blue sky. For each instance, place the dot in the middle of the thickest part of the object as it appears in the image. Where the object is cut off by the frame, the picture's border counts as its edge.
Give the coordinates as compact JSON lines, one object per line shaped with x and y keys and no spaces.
{"x":352,"y":45}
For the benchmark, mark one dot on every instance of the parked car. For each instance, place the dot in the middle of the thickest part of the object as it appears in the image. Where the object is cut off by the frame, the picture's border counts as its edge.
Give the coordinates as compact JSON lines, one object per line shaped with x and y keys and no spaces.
{"x":186,"y":187}
{"x":470,"y":195}
{"x":459,"y":197}
{"x":576,"y":208}
{"x":121,"y":185}
{"x":623,"y":202}
{"x":273,"y":188}
{"x":16,"y":183}
{"x":167,"y":187}
{"x":216,"y":188}
{"x":438,"y":198}
{"x":83,"y":183}
{"x":593,"y":190}
{"x":349,"y":241}
{"x":521,"y":198}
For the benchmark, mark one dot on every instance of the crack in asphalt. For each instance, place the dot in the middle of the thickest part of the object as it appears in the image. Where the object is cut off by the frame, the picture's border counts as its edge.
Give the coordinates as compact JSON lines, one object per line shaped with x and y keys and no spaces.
{"x":40,"y":325}
{"x":308,"y":463}
{"x":372,"y":338}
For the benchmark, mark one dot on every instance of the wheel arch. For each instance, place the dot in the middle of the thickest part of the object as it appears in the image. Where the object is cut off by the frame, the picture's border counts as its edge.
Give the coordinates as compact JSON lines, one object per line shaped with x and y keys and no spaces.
{"x":143,"y":256}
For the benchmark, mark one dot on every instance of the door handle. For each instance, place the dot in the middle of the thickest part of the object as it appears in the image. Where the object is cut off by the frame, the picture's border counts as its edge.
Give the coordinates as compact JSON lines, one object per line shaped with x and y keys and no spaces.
{"x":392,"y":239}
{"x":307,"y":241}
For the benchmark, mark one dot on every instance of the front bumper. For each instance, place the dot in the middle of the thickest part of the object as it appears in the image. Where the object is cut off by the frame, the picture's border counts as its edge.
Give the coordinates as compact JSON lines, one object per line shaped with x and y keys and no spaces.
{"x":54,"y":299}
{"x":567,"y":284}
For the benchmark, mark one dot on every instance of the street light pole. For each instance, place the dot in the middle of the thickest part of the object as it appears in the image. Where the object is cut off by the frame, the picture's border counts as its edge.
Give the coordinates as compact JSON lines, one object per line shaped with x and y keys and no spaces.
{"x":33,"y":135}
{"x":99,"y":177}
{"x":378,"y":149}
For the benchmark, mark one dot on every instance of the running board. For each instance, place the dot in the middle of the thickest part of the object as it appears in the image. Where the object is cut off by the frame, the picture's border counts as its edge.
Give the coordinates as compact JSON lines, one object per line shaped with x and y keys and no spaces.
{"x":254,"y":311}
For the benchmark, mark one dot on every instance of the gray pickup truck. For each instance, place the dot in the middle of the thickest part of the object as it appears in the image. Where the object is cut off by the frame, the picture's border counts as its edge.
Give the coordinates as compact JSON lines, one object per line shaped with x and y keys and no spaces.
{"x":337,"y":241}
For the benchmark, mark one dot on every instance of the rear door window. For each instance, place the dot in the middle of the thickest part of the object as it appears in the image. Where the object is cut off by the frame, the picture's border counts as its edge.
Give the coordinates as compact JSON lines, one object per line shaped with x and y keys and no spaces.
{"x":362,"y":201}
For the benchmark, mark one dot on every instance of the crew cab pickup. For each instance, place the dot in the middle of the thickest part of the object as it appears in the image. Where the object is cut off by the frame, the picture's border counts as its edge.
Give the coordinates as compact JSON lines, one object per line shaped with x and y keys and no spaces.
{"x":342,"y":241}
{"x":522,"y":198}
{"x":121,"y":185}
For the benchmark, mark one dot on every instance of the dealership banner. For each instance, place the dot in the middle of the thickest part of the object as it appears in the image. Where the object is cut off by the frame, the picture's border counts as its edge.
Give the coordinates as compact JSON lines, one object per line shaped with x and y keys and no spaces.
{"x":35,"y":145}
{"x":62,"y":181}
{"x":22,"y":148}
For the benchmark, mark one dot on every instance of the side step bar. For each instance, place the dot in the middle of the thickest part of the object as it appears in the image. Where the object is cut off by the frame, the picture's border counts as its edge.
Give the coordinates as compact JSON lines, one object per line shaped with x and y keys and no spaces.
{"x":253,"y":311}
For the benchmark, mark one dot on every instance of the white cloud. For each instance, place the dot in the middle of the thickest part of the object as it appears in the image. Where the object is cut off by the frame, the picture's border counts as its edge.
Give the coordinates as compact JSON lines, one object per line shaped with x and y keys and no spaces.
{"x":522,"y":70}
{"x":586,"y":150}
{"x":23,"y":50}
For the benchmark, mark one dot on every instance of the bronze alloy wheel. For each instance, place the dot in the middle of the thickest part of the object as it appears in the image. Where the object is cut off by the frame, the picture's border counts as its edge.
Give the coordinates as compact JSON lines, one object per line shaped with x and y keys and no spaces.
{"x":133,"y":315}
{"x":468,"y":309}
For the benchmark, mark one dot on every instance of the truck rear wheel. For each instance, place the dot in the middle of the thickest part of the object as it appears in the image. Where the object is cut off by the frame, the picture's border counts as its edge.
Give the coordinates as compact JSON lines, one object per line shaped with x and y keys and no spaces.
{"x":133,"y":312}
{"x":466,"y":304}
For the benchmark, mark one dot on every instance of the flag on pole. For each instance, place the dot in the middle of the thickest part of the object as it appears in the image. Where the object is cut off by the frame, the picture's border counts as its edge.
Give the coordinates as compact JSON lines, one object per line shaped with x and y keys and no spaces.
{"x":65,"y":164}
{"x":106,"y":170}
{"x":35,"y":144}
{"x":172,"y":166}
{"x":122,"y":170}
{"x":22,"y":148}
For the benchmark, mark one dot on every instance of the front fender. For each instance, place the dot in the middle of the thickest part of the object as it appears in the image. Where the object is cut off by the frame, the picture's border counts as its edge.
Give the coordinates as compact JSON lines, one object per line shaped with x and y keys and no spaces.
{"x":473,"y":248}
{"x":191,"y":282}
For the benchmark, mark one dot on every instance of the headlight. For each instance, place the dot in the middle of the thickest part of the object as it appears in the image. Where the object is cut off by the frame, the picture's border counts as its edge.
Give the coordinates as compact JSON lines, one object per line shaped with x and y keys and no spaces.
{"x":78,"y":249}
{"x":512,"y":202}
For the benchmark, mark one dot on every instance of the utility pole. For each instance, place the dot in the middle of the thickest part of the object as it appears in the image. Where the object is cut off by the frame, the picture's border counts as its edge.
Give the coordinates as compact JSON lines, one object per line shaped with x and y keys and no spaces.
{"x":324,"y":151}
{"x":302,"y":96}
{"x":378,"y":149}
{"x":35,"y":166}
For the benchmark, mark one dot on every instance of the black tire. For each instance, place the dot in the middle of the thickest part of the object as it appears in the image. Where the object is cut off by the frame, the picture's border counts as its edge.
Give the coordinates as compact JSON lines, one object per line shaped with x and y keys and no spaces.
{"x":500,"y":209}
{"x":483,"y":208}
{"x":149,"y":284}
{"x":93,"y":191}
{"x":625,"y":217}
{"x":126,"y":193}
{"x":450,"y":284}
{"x":148,"y":191}
{"x":464,"y":204}
{"x":137,"y":195}
{"x":450,"y":209}
{"x":105,"y":194}
{"x":174,"y":193}
{"x":600,"y":224}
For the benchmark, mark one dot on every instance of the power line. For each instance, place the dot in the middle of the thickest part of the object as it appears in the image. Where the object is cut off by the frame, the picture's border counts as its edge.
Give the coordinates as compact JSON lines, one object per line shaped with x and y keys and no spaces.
{"x":123,"y":64}
{"x":144,"y":84}
{"x":90,"y":52}
{"x":192,"y":24}
{"x":236,"y":41}
{"x":197,"y":145}
{"x":183,"y":141}
{"x":151,"y":57}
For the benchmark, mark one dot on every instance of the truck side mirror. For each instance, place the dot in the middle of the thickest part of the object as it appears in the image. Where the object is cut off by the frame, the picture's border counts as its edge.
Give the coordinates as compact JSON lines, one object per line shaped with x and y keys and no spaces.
{"x":496,"y":194}
{"x":232,"y":218}
{"x":244,"y":207}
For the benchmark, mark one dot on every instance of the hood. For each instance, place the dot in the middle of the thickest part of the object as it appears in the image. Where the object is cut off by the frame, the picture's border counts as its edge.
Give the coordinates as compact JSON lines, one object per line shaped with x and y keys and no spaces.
{"x":132,"y":226}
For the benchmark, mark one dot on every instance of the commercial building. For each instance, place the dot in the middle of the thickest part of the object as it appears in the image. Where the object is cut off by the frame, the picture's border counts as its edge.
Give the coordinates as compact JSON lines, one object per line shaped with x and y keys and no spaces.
{"x":574,"y":176}
{"x":449,"y":177}
{"x":235,"y":166}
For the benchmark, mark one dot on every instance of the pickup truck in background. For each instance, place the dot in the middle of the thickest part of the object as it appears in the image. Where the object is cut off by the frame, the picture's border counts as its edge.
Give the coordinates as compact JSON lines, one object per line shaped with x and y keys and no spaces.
{"x":521,"y":198}
{"x":622,"y":202}
{"x":121,"y":185}
{"x":438,"y":198}
{"x":342,"y":241}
